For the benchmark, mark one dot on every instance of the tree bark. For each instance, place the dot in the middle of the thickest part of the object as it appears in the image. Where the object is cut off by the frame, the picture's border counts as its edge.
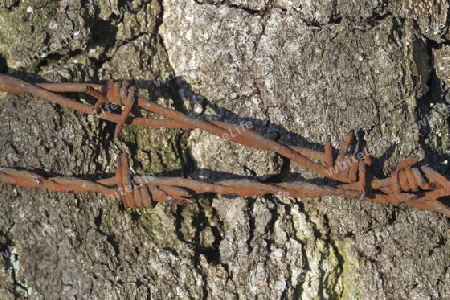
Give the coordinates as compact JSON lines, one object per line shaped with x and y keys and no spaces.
{"x":298,"y":71}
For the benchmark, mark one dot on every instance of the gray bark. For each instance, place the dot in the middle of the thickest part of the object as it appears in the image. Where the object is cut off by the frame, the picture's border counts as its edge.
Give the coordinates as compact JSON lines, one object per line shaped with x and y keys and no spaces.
{"x":299,"y":69}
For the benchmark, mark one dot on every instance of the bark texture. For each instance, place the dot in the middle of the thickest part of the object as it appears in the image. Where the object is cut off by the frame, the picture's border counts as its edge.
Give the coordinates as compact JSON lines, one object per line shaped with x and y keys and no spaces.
{"x":296,"y":70}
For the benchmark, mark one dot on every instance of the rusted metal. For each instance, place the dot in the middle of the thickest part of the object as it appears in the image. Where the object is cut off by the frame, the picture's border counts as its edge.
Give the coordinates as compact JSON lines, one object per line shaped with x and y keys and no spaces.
{"x":417,"y":187}
{"x":174,"y":119}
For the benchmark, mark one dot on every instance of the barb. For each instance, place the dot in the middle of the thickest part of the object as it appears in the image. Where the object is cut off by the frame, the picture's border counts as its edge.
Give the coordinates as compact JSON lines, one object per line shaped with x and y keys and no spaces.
{"x":418,"y":187}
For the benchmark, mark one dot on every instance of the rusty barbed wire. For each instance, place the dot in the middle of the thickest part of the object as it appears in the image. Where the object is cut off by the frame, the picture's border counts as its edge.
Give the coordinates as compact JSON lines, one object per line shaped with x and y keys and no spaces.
{"x":174,"y":119}
{"x":417,"y":187}
{"x":144,"y":192}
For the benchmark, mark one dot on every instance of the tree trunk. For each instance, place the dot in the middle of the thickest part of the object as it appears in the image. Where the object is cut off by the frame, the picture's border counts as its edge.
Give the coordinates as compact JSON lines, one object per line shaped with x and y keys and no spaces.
{"x":296,"y":70}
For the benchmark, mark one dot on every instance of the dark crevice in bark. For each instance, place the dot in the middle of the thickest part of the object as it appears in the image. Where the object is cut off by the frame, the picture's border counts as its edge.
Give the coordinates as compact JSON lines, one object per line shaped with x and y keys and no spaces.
{"x":98,"y":219}
{"x":270,"y":228}
{"x":251,"y":222}
{"x":249,"y":11}
{"x":112,"y":239}
{"x":426,"y":113}
{"x":3,"y":64}
{"x":298,"y":288}
{"x":159,"y":39}
{"x":339,"y":269}
{"x":103,"y":143}
{"x":197,"y":247}
{"x":101,"y":29}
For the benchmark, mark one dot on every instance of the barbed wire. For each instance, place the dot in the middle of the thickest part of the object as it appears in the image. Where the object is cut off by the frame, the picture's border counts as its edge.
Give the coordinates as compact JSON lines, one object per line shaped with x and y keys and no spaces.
{"x":418,"y":187}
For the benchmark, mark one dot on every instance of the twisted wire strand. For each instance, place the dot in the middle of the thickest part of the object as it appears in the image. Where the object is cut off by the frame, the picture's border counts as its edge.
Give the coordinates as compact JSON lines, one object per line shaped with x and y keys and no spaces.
{"x":142,"y":192}
{"x":57,"y":184}
{"x":174,"y":119}
{"x":419,"y":187}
